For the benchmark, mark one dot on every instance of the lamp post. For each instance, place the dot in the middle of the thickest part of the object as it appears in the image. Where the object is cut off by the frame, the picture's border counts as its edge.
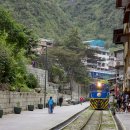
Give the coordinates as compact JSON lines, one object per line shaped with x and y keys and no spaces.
{"x":46,"y":68}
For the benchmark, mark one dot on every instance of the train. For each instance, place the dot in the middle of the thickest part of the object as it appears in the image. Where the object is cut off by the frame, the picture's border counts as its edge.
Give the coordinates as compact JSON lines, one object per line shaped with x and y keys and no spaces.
{"x":99,"y":95}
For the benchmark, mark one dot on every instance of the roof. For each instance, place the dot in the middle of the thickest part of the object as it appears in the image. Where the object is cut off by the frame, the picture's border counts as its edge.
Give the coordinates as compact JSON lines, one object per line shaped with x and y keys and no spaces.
{"x":95,"y":42}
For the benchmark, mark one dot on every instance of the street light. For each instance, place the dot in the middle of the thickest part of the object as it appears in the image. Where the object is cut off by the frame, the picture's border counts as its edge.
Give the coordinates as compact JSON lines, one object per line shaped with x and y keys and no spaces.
{"x":46,"y":68}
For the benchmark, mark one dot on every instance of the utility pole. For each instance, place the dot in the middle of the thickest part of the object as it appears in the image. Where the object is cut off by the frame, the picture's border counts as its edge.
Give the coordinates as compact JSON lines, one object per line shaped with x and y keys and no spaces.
{"x":71,"y":89}
{"x":46,"y":68}
{"x":78,"y":92}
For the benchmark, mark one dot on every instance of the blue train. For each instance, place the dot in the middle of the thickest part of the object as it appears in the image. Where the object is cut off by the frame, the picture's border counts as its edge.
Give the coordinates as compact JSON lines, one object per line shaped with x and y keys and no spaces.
{"x":99,"y":95}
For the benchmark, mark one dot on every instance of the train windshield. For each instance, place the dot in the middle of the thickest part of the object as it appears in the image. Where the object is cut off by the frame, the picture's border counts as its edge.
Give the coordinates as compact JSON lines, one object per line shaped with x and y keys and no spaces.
{"x":103,"y":87}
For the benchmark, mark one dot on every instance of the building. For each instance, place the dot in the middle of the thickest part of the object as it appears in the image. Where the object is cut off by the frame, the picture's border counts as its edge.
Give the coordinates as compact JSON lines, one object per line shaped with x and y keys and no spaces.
{"x":117,"y":64}
{"x":43,"y":43}
{"x":122,"y":36}
{"x":98,"y":67}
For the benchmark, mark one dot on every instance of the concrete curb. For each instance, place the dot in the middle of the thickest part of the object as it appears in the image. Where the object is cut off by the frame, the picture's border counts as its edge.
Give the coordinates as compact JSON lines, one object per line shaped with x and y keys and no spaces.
{"x":120,"y":123}
{"x":67,"y":120}
{"x":114,"y":120}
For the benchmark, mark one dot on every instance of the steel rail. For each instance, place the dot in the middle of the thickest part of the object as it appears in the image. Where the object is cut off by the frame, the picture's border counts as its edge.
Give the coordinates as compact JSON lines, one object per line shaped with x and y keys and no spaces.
{"x":88,"y":120}
{"x":68,"y":121}
{"x":100,"y":122}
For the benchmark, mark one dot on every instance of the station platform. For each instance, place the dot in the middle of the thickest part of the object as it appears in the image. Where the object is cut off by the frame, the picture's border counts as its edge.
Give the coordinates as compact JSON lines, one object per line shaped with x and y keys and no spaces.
{"x":39,"y":119}
{"x":124,"y":119}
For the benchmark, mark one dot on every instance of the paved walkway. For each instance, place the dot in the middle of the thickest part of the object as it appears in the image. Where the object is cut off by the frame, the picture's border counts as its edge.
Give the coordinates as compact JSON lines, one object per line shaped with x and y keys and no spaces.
{"x":124,"y":119}
{"x":39,"y":119}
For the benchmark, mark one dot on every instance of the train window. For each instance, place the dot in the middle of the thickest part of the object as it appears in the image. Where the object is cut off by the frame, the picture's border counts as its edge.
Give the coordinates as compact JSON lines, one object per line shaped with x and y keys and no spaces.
{"x":92,"y":87}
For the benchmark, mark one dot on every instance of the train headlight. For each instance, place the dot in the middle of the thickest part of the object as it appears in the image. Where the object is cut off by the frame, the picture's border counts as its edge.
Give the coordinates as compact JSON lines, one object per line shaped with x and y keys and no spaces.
{"x":99,"y":94}
{"x":99,"y":85}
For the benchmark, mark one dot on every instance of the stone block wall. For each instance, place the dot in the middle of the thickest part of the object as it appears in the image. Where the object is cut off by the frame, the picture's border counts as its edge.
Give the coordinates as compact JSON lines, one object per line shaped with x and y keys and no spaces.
{"x":8,"y":100}
{"x":39,"y":74}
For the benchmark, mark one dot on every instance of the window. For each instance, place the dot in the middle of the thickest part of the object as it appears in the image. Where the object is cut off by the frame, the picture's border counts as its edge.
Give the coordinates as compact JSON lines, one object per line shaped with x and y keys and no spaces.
{"x":103,"y":64}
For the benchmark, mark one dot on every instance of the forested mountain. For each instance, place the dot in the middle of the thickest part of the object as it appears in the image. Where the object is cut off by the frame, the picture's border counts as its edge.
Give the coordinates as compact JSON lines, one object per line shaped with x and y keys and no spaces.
{"x":43,"y":16}
{"x":52,"y":18}
{"x":95,"y":18}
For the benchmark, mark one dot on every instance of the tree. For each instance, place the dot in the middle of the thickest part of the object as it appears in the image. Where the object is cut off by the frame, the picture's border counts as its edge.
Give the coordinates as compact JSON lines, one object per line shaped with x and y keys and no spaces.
{"x":14,"y":39}
{"x":57,"y":74}
{"x":73,"y":40}
{"x":17,"y":34}
{"x":69,"y":56}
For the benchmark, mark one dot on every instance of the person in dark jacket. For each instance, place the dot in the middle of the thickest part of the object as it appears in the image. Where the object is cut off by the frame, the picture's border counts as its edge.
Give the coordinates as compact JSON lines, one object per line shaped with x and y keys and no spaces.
{"x":60,"y":101}
{"x":119,"y":102}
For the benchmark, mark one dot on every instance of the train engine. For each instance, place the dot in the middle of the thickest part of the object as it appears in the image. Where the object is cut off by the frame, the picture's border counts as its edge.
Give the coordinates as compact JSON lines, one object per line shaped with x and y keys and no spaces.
{"x":99,"y":95}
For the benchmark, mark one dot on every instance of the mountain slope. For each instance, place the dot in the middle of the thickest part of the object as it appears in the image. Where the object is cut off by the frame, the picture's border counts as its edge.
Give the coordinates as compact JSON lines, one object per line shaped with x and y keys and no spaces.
{"x":52,"y":18}
{"x":95,"y":18}
{"x":43,"y":16}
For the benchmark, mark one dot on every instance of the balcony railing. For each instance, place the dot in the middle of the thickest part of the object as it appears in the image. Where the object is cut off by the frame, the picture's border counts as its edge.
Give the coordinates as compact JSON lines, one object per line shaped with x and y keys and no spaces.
{"x":122,"y":3}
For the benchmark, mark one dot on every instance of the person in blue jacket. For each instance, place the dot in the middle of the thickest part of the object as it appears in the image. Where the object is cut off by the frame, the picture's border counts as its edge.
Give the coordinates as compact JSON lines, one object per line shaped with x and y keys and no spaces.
{"x":50,"y":105}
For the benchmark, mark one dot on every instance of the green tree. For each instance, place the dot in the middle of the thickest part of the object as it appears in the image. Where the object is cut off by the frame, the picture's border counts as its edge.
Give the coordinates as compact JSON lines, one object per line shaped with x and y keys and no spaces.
{"x":69,"y":56}
{"x":57,"y":74}
{"x":17,"y":34}
{"x":15,"y":42}
{"x":73,"y":40}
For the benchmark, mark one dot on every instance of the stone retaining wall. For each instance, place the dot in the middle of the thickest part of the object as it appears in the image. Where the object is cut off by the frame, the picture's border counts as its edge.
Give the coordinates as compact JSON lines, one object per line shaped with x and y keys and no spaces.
{"x":8,"y":100}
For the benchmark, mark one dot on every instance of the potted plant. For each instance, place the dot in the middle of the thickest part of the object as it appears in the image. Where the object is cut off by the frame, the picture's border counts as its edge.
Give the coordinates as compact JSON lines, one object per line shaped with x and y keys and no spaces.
{"x":30,"y":107}
{"x":1,"y":112}
{"x":40,"y":106}
{"x":17,"y":109}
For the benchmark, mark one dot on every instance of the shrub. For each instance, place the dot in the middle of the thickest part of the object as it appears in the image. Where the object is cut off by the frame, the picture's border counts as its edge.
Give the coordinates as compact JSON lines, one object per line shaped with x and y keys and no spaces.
{"x":6,"y":69}
{"x":31,"y":81}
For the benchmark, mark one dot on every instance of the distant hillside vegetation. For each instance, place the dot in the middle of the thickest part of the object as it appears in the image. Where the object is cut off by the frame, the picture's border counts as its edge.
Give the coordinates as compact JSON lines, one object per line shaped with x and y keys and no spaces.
{"x":51,"y":18}
{"x":95,"y":18}
{"x":43,"y":16}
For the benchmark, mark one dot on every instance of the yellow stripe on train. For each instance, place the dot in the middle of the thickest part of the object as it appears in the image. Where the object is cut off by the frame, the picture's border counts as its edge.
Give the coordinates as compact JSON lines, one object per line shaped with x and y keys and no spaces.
{"x":99,"y":103}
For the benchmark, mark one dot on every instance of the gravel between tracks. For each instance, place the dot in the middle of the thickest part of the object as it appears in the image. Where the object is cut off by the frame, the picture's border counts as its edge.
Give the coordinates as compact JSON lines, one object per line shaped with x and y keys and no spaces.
{"x":80,"y":121}
{"x":107,"y":121}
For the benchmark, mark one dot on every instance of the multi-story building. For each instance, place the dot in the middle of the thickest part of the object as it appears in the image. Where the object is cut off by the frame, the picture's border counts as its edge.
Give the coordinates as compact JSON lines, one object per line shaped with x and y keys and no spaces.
{"x":116,"y":63}
{"x":98,"y":67}
{"x":122,"y":36}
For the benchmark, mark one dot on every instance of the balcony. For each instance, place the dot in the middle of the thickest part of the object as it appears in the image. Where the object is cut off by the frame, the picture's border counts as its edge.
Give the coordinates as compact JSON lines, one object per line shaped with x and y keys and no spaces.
{"x":119,"y":37}
{"x":122,"y":3}
{"x":119,"y":63}
{"x":127,"y":15}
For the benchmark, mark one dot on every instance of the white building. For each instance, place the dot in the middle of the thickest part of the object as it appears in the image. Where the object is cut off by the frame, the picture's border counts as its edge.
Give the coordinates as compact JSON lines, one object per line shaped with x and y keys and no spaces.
{"x":99,"y":66}
{"x":117,"y":63}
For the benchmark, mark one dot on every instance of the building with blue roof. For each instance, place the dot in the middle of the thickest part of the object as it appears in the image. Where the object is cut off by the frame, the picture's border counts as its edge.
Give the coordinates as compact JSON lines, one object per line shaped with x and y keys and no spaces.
{"x":98,"y":68}
{"x":96,"y":42}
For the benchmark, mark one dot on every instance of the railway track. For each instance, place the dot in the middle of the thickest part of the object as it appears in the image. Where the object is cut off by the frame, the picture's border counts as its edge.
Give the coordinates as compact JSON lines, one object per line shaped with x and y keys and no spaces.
{"x":89,"y":120}
{"x":93,"y":120}
{"x":69,"y":121}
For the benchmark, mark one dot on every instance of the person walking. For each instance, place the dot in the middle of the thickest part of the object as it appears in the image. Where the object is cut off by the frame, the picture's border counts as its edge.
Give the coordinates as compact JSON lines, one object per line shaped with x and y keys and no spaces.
{"x":81,"y":100}
{"x":50,"y":105}
{"x":60,"y":101}
{"x":118,"y":102}
{"x":126,"y":102}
